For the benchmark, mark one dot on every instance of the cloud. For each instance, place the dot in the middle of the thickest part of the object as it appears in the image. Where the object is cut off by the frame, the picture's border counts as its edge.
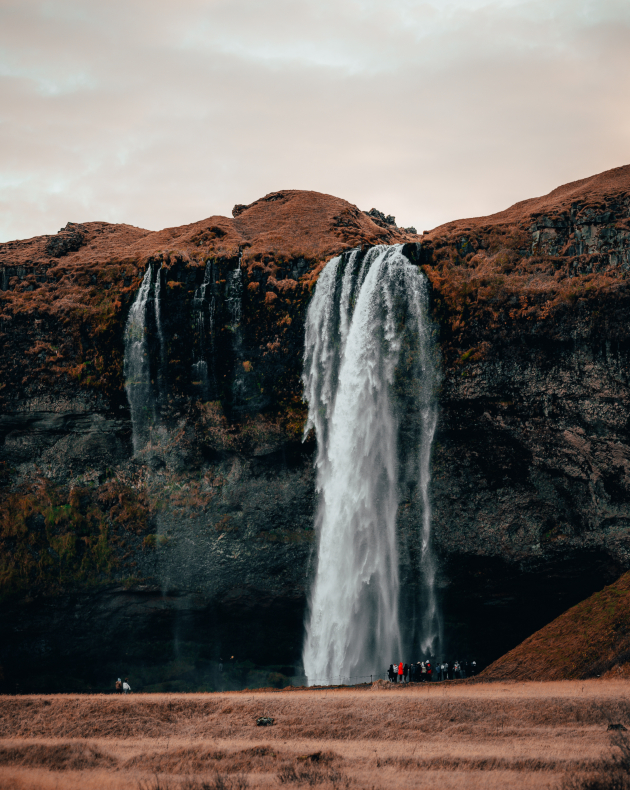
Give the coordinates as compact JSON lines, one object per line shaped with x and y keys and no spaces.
{"x":161,"y":113}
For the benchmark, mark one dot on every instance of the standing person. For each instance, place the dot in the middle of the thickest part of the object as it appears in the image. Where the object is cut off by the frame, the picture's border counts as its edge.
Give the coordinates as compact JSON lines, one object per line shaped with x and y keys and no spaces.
{"x":423,"y":671}
{"x":429,"y":671}
{"x":390,"y":673}
{"x":400,"y":672}
{"x":445,"y":668}
{"x":126,"y":687}
{"x":473,"y":668}
{"x":118,"y":686}
{"x":406,"y":673}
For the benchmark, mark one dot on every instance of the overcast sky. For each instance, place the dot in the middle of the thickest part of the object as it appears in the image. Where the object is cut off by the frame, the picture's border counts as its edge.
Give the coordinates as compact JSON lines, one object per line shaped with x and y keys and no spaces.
{"x":159,"y":113}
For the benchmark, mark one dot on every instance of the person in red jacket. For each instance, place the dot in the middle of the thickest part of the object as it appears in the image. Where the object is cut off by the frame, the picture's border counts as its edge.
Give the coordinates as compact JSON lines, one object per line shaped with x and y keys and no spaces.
{"x":400,"y":672}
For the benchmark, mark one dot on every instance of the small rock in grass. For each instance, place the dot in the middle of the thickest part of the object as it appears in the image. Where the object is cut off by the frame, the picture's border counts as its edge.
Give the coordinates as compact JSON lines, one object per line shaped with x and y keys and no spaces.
{"x":264,"y":721}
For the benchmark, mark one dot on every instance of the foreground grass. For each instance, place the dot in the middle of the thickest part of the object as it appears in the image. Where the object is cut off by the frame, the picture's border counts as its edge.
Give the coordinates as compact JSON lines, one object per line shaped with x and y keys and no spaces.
{"x":479,"y":735}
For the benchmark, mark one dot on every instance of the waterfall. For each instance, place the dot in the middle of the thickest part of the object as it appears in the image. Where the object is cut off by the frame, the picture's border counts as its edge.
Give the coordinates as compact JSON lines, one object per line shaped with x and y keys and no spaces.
{"x":431,"y":621}
{"x":367,"y":338}
{"x":137,"y":365}
{"x":200,"y":305}
{"x":234,"y":302}
{"x":157,"y":307}
{"x":235,"y":296}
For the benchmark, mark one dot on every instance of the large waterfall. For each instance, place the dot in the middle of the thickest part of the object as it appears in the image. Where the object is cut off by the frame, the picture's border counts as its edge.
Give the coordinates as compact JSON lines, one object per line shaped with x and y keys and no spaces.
{"x":370,"y":376}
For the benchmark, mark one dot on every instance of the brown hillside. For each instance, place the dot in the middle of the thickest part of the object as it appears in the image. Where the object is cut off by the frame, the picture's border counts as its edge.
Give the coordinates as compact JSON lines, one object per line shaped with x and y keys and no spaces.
{"x":531,"y":263}
{"x":588,"y":640}
{"x":594,"y":190}
{"x":85,"y":277}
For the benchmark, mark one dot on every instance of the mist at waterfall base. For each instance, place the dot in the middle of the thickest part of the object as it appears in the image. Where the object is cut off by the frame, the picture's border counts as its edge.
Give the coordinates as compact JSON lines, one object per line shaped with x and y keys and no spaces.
{"x":370,"y":376}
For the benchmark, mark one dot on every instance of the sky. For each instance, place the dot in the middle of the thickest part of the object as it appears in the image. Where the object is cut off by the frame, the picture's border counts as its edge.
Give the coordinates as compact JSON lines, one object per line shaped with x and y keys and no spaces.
{"x":161,"y":112}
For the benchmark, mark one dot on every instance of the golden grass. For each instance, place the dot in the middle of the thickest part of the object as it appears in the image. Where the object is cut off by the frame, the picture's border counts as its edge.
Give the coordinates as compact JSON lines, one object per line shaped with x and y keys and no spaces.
{"x":590,"y":639}
{"x":447,"y":735}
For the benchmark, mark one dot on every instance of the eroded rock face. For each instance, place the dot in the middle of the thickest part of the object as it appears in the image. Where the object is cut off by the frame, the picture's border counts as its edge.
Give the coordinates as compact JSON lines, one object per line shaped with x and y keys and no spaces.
{"x":202,"y":544}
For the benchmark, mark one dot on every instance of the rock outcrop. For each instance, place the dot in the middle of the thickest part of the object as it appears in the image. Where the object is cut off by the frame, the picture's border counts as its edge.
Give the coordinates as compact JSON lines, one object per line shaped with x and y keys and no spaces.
{"x":201,"y":546}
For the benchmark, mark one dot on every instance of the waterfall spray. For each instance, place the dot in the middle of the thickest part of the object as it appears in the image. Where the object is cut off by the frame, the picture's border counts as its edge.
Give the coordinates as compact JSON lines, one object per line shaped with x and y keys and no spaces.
{"x":367,"y":320}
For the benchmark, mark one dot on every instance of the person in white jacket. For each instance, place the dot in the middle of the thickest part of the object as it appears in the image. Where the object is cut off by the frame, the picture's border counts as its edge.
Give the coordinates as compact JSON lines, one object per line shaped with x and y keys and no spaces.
{"x":126,"y":686}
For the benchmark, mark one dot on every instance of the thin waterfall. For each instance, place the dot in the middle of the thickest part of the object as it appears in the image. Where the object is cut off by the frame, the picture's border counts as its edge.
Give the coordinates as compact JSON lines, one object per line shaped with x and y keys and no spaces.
{"x":235,"y":296}
{"x":200,"y":306}
{"x":431,"y":633}
{"x":157,"y":306}
{"x":234,"y":303}
{"x":367,"y":322}
{"x":137,"y":365}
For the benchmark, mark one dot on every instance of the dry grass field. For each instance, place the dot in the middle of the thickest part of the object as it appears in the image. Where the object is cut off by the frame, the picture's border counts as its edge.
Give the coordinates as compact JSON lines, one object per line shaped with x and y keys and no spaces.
{"x":445,"y":735}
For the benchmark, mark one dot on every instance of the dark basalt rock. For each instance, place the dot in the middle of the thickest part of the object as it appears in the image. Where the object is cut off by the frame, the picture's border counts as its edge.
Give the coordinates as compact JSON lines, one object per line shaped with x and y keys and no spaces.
{"x":71,"y":239}
{"x":382,"y":219}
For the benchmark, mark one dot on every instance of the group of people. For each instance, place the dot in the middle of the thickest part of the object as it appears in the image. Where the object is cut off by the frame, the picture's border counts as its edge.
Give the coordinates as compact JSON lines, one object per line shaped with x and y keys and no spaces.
{"x":425,"y":670}
{"x":122,"y":687}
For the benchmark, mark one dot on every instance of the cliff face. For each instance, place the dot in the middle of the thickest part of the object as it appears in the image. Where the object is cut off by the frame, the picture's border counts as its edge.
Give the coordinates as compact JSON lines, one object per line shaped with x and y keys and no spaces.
{"x":202,"y":545}
{"x":531,"y":469}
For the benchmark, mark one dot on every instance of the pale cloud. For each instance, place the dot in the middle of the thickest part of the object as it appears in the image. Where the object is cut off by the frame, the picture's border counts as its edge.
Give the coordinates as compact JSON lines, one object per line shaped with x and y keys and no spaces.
{"x":160,"y":113}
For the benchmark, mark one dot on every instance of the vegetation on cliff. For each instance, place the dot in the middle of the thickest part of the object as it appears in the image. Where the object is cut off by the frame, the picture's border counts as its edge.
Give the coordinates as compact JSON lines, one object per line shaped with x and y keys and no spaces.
{"x":528,"y":268}
{"x":53,"y":537}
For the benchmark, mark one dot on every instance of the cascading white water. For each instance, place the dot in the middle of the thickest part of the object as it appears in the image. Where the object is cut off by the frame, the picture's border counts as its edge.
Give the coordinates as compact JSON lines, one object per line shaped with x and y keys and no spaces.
{"x":136,"y":365}
{"x":157,"y":307}
{"x":431,"y":620}
{"x":235,"y":295}
{"x":200,"y":304}
{"x":366,"y":312}
{"x":234,"y":303}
